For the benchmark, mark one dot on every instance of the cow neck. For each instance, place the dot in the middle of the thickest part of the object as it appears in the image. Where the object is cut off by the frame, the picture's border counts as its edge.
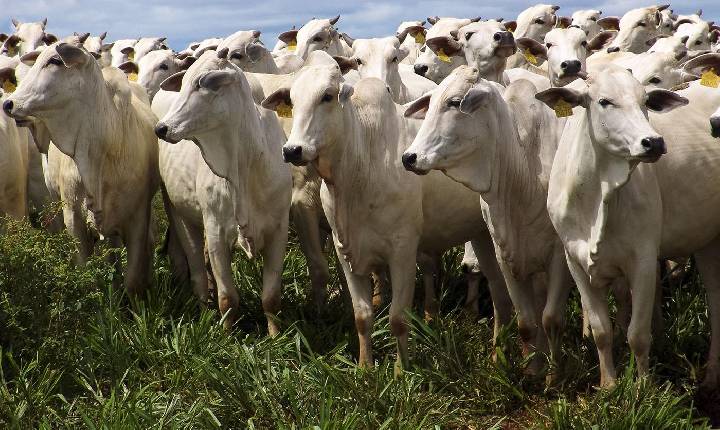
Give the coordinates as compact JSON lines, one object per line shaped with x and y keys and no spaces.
{"x":363,"y":166}
{"x":266,"y":64}
{"x":492,"y":70}
{"x":516,"y":200}
{"x":581,"y":193}
{"x":93,"y":134}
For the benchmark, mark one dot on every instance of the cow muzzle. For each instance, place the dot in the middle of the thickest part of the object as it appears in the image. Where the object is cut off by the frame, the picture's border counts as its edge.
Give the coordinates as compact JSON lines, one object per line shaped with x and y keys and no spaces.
{"x":715,"y":127}
{"x":161,"y":131}
{"x":293,"y":154}
{"x":505,"y":44}
{"x":409,"y":161}
{"x":654,"y":148}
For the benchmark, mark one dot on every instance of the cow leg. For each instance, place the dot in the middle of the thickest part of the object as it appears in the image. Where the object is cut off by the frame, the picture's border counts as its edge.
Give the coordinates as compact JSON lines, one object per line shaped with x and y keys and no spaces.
{"x":402,"y":278}
{"x":594,"y":302}
{"x":192,"y":241}
{"x":553,"y":317}
{"x":74,"y":218}
{"x":472,"y":299}
{"x":220,"y":242}
{"x":361,"y":295}
{"x":139,"y":252}
{"x":642,"y":280}
{"x":488,"y":263}
{"x":273,"y":254}
{"x":311,"y":241}
{"x":115,"y":260}
{"x":179,"y":266}
{"x":707,"y":261}
{"x":430,"y":268}
{"x":623,"y":298}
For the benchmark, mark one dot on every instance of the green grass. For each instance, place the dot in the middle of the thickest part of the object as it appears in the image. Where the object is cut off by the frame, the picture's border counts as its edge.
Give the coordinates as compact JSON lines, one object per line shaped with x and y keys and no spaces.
{"x":74,"y":353}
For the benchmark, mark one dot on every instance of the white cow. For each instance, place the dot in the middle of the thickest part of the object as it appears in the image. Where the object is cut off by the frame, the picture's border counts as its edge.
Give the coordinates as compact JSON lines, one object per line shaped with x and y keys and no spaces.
{"x":501,"y":146}
{"x":101,"y":51}
{"x":114,"y":151}
{"x":639,"y":29}
{"x":156,"y":66}
{"x":698,"y":37}
{"x":617,"y":213}
{"x":248,"y":52}
{"x":27,"y":37}
{"x":416,"y":30}
{"x":243,"y":189}
{"x":355,"y":136}
{"x":587,"y":21}
{"x":428,"y":64}
{"x":315,"y":35}
{"x":380,"y":58}
{"x":13,"y":161}
{"x":122,"y":51}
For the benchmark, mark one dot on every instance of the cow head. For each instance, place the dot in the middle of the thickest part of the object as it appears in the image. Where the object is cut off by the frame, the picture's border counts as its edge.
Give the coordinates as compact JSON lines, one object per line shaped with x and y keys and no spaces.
{"x":617,"y":112}
{"x":638,"y":29}
{"x":460,"y":129}
{"x":317,"y":98}
{"x":244,"y":49}
{"x":658,"y":69}
{"x":317,"y":35}
{"x":214,"y":96}
{"x":155,"y":67}
{"x":536,"y":21}
{"x":428,"y":63}
{"x":587,"y":21}
{"x":379,"y":58}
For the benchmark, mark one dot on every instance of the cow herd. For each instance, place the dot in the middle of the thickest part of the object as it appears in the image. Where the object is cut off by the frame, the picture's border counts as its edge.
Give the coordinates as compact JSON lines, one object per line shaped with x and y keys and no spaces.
{"x":560,"y":150}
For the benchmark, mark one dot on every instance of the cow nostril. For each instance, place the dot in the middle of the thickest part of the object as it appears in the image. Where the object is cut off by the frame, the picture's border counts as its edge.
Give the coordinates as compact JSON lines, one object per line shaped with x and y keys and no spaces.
{"x":161,"y":130}
{"x":715,"y":126}
{"x":8,"y":106}
{"x":613,"y":49}
{"x":654,"y":144}
{"x":421,"y":69}
{"x":563,"y":65}
{"x":409,"y":159}
{"x":497,"y":36}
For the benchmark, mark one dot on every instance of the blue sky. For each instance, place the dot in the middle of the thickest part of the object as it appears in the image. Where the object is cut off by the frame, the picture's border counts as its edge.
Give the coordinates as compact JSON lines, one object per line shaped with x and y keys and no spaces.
{"x":183,"y":21}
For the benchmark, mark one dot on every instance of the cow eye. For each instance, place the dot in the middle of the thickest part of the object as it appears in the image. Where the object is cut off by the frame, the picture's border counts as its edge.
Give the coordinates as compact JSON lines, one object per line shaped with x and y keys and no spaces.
{"x":641,"y":24}
{"x":55,"y":61}
{"x":358,"y":61}
{"x":326,"y":98}
{"x":395,"y":59}
{"x":667,"y":25}
{"x":605,"y":102}
{"x":584,"y":43}
{"x":236,"y":56}
{"x":654,"y":80}
{"x":468,"y":35}
{"x":163,"y":67}
{"x":697,"y":42}
{"x":593,"y":18}
{"x":548,"y":45}
{"x":422,"y":49}
{"x":539,"y":21}
{"x":317,"y":39}
{"x":454,"y":102}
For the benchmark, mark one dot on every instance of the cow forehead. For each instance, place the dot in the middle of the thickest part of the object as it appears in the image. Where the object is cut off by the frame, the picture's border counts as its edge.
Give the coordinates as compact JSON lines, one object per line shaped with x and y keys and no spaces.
{"x":445,"y":25}
{"x":635,"y":15}
{"x":572,"y":35}
{"x":155,"y":57}
{"x":405,"y":24}
{"x":486,"y":27}
{"x":237,"y":39}
{"x":208,"y":61}
{"x":585,"y":14}
{"x":314,"y":26}
{"x":315,"y":79}
{"x":536,"y":11}
{"x":457,"y":84}
{"x":370,"y":46}
{"x":616,"y":83}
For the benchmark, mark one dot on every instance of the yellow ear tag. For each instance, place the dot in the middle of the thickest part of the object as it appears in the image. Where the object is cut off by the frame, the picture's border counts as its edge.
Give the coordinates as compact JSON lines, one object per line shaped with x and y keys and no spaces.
{"x":710,"y":79}
{"x":443,"y":56}
{"x":563,"y":109}
{"x":292,"y":45}
{"x":420,"y":37}
{"x":8,"y":87}
{"x":283,"y":110}
{"x":530,"y":58}
{"x":132,"y":77}
{"x":131,"y":56}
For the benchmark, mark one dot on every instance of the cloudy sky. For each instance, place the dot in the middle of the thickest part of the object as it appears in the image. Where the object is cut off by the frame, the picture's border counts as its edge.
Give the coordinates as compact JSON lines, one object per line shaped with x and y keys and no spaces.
{"x":183,"y":21}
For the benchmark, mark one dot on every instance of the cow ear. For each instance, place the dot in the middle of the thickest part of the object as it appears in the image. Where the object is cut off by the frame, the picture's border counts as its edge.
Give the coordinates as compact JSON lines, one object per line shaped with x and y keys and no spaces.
{"x":185,"y":62}
{"x":30,"y":58}
{"x":701,"y":64}
{"x":536,"y":48}
{"x":173,"y":82}
{"x":346,"y":64}
{"x":7,"y":74}
{"x":714,"y":36}
{"x":254,"y":51}
{"x":49,"y":38}
{"x":3,"y":37}
{"x":403,"y":52}
{"x":448,"y":45}
{"x":609,"y":23}
{"x":83,"y":37}
{"x":510,"y":26}
{"x":217,"y":79}
{"x":473,"y":99}
{"x":433,"y":19}
{"x":107,"y":47}
{"x":127,"y":50}
{"x":288,"y":36}
{"x":71,"y":55}
{"x":346,"y":91}
{"x":600,"y":40}
{"x":552,"y":96}
{"x":664,"y":101}
{"x":279,"y":97}
{"x":564,"y":22}
{"x":129,"y":67}
{"x":418,"y":108}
